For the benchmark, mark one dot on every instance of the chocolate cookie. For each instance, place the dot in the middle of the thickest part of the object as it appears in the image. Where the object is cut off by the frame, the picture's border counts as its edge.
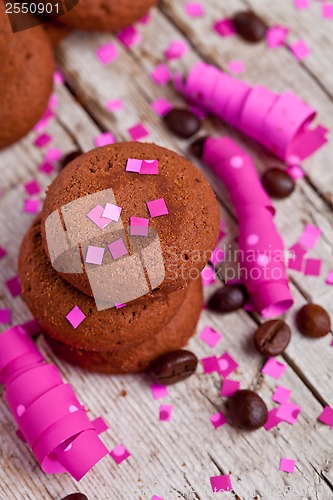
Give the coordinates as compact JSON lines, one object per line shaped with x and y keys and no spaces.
{"x":180,"y":242}
{"x":26,"y":79}
{"x":105,"y":15}
{"x":50,"y":298}
{"x":172,"y":336}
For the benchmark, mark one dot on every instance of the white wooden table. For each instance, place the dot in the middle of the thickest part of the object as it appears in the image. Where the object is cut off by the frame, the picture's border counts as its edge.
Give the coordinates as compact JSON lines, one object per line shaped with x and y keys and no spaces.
{"x":176,"y":459}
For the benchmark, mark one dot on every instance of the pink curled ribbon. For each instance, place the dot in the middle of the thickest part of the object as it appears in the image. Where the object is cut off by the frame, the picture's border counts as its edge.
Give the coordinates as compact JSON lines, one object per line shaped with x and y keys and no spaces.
{"x":261,"y":250}
{"x":48,"y":414}
{"x":280,"y":122}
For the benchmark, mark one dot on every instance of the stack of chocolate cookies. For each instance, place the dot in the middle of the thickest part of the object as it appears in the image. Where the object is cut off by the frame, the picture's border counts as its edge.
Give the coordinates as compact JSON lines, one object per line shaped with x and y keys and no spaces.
{"x":111,"y":267}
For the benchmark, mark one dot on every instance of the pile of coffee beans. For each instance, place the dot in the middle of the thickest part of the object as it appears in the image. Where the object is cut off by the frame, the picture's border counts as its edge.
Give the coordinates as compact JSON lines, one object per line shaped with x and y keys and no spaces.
{"x":313,"y":321}
{"x":247,"y":410}
{"x":173,"y":367}
{"x":272,"y":337}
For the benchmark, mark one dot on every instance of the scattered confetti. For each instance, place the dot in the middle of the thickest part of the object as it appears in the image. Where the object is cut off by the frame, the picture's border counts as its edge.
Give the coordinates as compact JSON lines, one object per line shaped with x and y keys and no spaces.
{"x":138,"y":132}
{"x":326,"y":417}
{"x":53,"y":154}
{"x":210,"y":336}
{"x":5,"y":315}
{"x":226,"y":364}
{"x":218,"y":419}
{"x":159,"y":391}
{"x":221,"y":483}
{"x":329,"y":277}
{"x":100,"y":425}
{"x":149,"y":167}
{"x":300,"y":50}
{"x":301,"y":4}
{"x":161,"y":74}
{"x":217,"y":256}
{"x":161,"y":106}
{"x":139,"y":226}
{"x":129,"y":37}
{"x":288,"y":412}
{"x":229,"y":387}
{"x":176,"y":50}
{"x":281,"y":394}
{"x":107,"y":53}
{"x":312,"y":267}
{"x":194,"y":9}
{"x":208,"y":276}
{"x":272,"y":420}
{"x":2,"y":252}
{"x":112,"y":212}
{"x":236,"y":66}
{"x":47,"y":168}
{"x":210,"y":364}
{"x":310,"y":236}
{"x":156,"y":498}
{"x":14,"y":286}
{"x":31,"y":206}
{"x":224,"y":27}
{"x":165,"y":413}
{"x":117,"y":249}
{"x":42,"y":140}
{"x":94,"y":255}
{"x":119,"y":454}
{"x":75,"y":317}
{"x":96,"y":216}
{"x":157,"y":208}
{"x":273,"y":368}
{"x":32,"y":187}
{"x":276,"y":36}
{"x":327,"y":10}
{"x":114,"y":105}
{"x":104,"y":139}
{"x":287,"y":465}
{"x":58,"y":77}
{"x":296,"y":172}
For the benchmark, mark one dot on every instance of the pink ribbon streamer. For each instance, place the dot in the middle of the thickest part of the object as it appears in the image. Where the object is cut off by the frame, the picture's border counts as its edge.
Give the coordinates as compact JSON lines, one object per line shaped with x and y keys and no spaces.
{"x":261,"y":250}
{"x":48,"y":414}
{"x":281,"y":123}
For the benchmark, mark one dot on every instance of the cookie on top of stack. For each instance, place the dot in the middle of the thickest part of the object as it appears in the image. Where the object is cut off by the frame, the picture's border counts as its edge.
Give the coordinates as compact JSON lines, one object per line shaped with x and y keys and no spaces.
{"x":128,"y":228}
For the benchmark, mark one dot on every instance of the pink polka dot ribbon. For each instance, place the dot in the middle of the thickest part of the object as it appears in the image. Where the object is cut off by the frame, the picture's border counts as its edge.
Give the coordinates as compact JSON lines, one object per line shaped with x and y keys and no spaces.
{"x":261,"y":251}
{"x":280,"y":122}
{"x":48,"y":414}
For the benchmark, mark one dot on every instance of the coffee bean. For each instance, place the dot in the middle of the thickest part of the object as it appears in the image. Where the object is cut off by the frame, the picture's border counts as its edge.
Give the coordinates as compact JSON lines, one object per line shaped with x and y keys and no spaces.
{"x":68,"y":158}
{"x":228,"y":299}
{"x":173,"y":367}
{"x":76,"y":496}
{"x":249,"y":26}
{"x":247,"y":410}
{"x":197,"y":146}
{"x":272,"y":337}
{"x":182,"y":122}
{"x":313,"y":321}
{"x":278,"y":183}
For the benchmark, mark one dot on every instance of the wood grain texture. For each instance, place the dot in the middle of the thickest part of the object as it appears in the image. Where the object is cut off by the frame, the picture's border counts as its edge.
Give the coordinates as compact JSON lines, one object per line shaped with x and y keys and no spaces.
{"x":175,"y":459}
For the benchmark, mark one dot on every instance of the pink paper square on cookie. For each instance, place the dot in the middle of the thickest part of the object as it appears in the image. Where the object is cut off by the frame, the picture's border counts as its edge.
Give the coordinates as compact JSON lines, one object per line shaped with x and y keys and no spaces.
{"x":229,"y":387}
{"x":133,"y":165}
{"x":194,"y":9}
{"x":161,"y":106}
{"x":149,"y":167}
{"x":226,"y":364}
{"x":221,"y":483}
{"x":165,"y":413}
{"x":287,"y":465}
{"x":96,"y":216}
{"x":218,"y":419}
{"x":157,"y":208}
{"x":75,"y":317}
{"x":117,"y":249}
{"x":273,"y":368}
{"x":104,"y":139}
{"x":112,"y":212}
{"x":312,"y":267}
{"x":224,"y":27}
{"x":159,"y":391}
{"x":119,"y":454}
{"x":107,"y":53}
{"x":300,"y":50}
{"x":161,"y":74}
{"x":139,"y":226}
{"x":210,"y":336}
{"x":94,"y":255}
{"x":138,"y":132}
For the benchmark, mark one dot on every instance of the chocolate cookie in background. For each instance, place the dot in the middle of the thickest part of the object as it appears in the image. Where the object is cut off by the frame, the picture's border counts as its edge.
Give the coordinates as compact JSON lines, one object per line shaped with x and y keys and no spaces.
{"x":174,"y":335}
{"x":105,"y":15}
{"x":26,"y":79}
{"x":50,"y":298}
{"x":187,"y":234}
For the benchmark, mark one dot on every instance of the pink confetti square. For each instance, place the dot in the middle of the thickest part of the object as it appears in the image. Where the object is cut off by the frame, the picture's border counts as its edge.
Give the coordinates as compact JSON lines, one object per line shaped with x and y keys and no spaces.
{"x":273,"y":368}
{"x":218,"y":419}
{"x":221,"y":483}
{"x":14,"y":286}
{"x":157,"y":208}
{"x":139,"y":226}
{"x":226,"y":364}
{"x":53,"y":154}
{"x":327,"y":10}
{"x":100,"y":425}
{"x":281,"y":394}
{"x":156,"y":498}
{"x":161,"y":74}
{"x":288,"y":412}
{"x":326,"y":417}
{"x":96,"y":216}
{"x":138,"y":132}
{"x":300,"y":50}
{"x":272,"y":420}
{"x":32,"y":187}
{"x":114,"y":105}
{"x":210,"y":364}
{"x":236,"y":67}
{"x":276,"y":36}
{"x":217,"y":256}
{"x":229,"y":387}
{"x":159,"y":391}
{"x":112,"y":212}
{"x":161,"y":106}
{"x":119,"y":454}
{"x":165,"y":413}
{"x":312,"y":267}
{"x":194,"y":9}
{"x":310,"y":236}
{"x":94,"y":255}
{"x":104,"y":139}
{"x":145,"y":19}
{"x":296,"y":263}
{"x":107,"y":53}
{"x":295,"y":172}
{"x":129,"y":37}
{"x":301,"y":4}
{"x":46,"y":168}
{"x":210,"y":336}
{"x":208,"y":276}
{"x":133,"y":165}
{"x":75,"y":317}
{"x":2,"y":252}
{"x":58,"y":77}
{"x":329,"y":277}
{"x":120,"y":306}
{"x":224,"y":27}
{"x":117,"y":249}
{"x":31,"y":206}
{"x":5,"y":315}
{"x":176,"y":50}
{"x":42,"y":140}
{"x":149,"y":167}
{"x":287,"y":465}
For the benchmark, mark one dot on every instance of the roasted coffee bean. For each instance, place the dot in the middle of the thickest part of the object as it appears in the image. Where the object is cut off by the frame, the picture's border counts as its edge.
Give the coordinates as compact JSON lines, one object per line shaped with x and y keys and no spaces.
{"x":247,"y":410}
{"x":249,"y":26}
{"x":228,"y":299}
{"x":182,"y":122}
{"x":173,"y":367}
{"x":76,"y":496}
{"x":272,"y":337}
{"x":197,"y":146}
{"x":313,"y":321}
{"x":278,"y":183}
{"x":68,"y":158}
